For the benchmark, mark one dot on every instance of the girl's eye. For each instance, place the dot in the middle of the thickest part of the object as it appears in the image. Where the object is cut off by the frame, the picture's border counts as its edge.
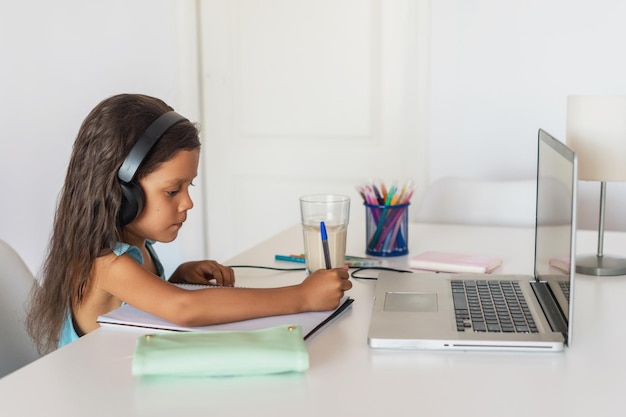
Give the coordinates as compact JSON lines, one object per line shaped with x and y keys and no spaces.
{"x":172,"y":193}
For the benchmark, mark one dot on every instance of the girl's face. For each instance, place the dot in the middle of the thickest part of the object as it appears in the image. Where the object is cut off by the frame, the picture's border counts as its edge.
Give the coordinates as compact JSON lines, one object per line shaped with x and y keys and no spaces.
{"x":167,"y":200}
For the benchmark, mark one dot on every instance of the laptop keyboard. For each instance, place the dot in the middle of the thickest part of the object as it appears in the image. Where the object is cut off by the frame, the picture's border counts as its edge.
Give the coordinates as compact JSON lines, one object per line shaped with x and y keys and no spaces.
{"x":565,"y":288}
{"x":491,"y":306}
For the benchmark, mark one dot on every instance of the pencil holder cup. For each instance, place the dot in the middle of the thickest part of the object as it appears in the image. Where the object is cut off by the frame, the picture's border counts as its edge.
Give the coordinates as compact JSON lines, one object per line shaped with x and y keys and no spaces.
{"x":386,"y":229}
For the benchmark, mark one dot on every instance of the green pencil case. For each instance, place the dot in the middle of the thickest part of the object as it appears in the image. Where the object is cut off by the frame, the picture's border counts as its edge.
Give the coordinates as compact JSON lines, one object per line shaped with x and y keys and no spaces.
{"x":222,"y":353}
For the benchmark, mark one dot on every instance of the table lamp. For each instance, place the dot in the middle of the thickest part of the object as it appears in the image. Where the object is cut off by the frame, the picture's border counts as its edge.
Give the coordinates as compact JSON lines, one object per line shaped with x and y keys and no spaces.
{"x":596,"y":131}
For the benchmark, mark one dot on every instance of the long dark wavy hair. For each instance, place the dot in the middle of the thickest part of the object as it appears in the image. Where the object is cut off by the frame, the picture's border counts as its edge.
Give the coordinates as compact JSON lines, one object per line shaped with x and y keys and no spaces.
{"x":85,"y":224}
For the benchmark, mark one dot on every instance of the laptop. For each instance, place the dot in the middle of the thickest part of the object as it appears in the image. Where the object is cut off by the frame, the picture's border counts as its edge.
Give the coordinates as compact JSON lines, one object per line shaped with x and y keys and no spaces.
{"x":489,"y":311}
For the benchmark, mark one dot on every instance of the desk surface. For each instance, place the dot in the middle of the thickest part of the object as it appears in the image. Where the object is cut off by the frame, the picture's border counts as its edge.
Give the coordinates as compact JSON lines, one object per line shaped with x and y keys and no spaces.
{"x":92,"y":376}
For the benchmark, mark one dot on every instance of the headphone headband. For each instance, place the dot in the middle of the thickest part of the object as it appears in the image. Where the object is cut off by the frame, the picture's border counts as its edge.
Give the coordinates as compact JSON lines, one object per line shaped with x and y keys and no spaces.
{"x":146,"y":141}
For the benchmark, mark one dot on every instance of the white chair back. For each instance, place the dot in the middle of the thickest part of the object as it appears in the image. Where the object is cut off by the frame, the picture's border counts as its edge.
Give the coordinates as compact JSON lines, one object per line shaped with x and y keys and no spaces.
{"x":16,"y":281}
{"x":469,"y":201}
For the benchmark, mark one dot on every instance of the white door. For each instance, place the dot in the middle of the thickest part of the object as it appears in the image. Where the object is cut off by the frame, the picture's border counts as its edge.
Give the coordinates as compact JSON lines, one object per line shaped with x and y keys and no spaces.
{"x":302,"y":97}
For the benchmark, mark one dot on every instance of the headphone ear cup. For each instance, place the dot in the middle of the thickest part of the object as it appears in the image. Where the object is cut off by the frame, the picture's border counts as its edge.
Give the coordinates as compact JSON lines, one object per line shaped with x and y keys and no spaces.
{"x":132,"y":202}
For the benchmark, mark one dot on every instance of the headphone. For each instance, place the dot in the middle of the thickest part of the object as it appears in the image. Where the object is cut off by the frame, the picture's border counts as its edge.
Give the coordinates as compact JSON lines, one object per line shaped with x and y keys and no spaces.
{"x":133,"y":197}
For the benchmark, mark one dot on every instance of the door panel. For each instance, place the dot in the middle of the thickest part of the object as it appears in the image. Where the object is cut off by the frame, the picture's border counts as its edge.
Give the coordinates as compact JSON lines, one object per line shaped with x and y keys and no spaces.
{"x":301,"y":97}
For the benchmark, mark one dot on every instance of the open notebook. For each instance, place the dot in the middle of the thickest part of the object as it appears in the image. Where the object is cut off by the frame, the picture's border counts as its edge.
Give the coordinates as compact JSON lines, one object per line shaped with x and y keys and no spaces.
{"x":310,"y":322}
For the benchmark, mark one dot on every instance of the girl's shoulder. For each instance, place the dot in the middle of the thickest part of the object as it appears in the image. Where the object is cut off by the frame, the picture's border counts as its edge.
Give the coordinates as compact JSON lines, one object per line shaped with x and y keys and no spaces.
{"x":121,"y":248}
{"x":117,"y":257}
{"x":122,"y":261}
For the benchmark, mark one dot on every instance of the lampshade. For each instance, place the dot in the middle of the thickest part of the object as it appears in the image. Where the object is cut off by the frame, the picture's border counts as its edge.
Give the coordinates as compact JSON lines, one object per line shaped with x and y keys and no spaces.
{"x":596,"y":131}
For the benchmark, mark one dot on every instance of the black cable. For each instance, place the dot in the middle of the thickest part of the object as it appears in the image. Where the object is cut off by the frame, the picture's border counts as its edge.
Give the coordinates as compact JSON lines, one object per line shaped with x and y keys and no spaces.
{"x":378,"y":268}
{"x":266,"y":267}
{"x":353,"y":273}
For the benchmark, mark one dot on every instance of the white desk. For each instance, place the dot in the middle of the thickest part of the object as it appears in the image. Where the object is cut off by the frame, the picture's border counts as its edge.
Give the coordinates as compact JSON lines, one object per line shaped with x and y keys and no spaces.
{"x":92,"y":377}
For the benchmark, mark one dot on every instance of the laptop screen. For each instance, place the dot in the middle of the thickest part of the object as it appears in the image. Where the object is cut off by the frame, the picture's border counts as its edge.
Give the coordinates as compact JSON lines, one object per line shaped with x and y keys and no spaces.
{"x":556,"y":218}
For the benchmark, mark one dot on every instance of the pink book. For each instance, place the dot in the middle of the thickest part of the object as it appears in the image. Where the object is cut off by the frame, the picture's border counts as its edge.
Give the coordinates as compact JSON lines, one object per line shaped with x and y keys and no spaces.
{"x":561,"y":263}
{"x":454,"y":262}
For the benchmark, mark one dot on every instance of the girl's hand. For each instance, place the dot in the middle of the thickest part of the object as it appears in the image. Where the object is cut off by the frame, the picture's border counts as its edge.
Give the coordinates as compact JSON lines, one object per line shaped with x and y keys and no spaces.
{"x":324,"y":288}
{"x":204,"y":272}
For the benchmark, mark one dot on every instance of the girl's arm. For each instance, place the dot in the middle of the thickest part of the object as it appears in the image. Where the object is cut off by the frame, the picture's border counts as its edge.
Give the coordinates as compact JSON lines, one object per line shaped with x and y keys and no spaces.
{"x":126,"y":280}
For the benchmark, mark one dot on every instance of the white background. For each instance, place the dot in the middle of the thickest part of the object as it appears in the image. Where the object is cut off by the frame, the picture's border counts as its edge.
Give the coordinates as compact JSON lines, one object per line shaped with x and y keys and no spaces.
{"x":496,"y":72}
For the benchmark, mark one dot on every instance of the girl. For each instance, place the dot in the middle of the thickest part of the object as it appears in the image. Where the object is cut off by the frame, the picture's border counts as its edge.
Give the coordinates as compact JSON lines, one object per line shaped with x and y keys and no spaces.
{"x":121,"y":194}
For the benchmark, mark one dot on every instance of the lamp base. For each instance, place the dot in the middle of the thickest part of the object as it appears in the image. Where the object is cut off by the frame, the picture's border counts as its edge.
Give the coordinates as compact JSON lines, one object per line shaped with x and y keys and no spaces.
{"x":600,"y":265}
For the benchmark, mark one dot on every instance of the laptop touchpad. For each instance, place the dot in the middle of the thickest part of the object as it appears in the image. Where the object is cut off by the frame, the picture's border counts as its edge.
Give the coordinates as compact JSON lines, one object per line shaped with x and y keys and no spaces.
{"x":411,"y":302}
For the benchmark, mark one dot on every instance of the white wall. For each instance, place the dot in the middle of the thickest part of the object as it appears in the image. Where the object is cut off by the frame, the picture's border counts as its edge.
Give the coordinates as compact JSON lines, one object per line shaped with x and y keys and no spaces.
{"x":58,"y":60}
{"x":499,"y":71}
{"x":502,"y":69}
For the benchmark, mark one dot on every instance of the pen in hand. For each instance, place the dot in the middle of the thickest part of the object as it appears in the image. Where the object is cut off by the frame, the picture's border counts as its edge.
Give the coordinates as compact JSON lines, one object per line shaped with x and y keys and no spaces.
{"x":325,"y":245}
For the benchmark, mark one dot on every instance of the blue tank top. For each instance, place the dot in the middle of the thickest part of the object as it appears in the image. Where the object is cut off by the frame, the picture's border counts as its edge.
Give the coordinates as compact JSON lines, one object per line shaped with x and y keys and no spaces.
{"x":68,"y":332}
